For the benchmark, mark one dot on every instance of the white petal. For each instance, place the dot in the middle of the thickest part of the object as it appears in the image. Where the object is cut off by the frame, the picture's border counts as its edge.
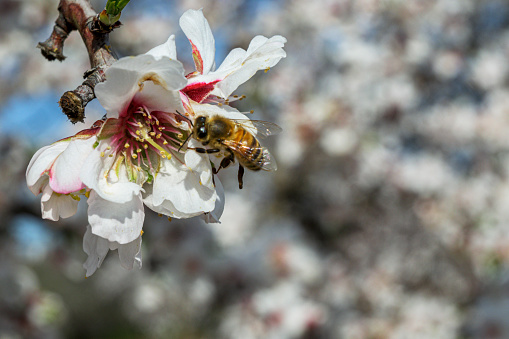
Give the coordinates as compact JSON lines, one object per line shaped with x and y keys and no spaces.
{"x":168,"y":49}
{"x":96,"y":248}
{"x":178,"y":190}
{"x":126,"y":76}
{"x":197,"y":30}
{"x":157,"y":98}
{"x":239,"y":66}
{"x":199,"y":163}
{"x":116,"y":222}
{"x":41,"y":162}
{"x":55,"y":206}
{"x":65,"y":172}
{"x":211,"y":110}
{"x":130,"y":254}
{"x":213,"y":216}
{"x":99,"y":175}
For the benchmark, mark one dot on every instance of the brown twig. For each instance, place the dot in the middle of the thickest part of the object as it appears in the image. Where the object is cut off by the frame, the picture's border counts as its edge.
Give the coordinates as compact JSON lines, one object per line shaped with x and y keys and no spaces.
{"x":79,"y":15}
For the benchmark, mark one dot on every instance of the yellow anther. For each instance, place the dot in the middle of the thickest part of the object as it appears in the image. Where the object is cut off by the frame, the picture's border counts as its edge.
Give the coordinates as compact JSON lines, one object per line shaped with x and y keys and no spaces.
{"x":87,"y":194}
{"x":134,"y":155}
{"x":127,"y":145}
{"x":138,"y":132}
{"x":111,"y":155}
{"x":169,"y":218}
{"x":145,"y":146}
{"x":102,"y":154}
{"x":158,"y":136}
{"x":108,"y":148}
{"x":267,"y":69}
{"x":220,"y":104}
{"x":159,"y":215}
{"x":160,"y":128}
{"x":138,"y":150}
{"x":180,"y":135}
{"x":141,"y":232}
{"x":235,"y":96}
{"x":140,"y":124}
{"x":165,"y":142}
{"x":157,"y":122}
{"x":152,"y":134}
{"x":251,"y":111}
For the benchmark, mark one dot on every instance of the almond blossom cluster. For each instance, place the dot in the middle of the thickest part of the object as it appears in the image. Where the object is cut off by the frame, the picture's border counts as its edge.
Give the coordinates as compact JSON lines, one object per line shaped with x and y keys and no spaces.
{"x":140,"y":153}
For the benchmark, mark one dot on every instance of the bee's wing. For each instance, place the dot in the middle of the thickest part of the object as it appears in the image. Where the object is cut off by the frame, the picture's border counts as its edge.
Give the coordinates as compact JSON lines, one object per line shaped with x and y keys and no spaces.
{"x":266,"y":161}
{"x":259,"y":128}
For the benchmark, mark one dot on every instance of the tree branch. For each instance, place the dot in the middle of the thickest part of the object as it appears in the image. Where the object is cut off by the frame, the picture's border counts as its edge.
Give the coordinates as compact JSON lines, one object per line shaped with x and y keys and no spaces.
{"x":79,"y":15}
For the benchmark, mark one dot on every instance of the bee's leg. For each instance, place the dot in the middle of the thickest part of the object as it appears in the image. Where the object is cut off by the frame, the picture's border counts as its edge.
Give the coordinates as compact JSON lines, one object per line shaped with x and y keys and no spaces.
{"x":240,"y":175}
{"x":204,"y":150}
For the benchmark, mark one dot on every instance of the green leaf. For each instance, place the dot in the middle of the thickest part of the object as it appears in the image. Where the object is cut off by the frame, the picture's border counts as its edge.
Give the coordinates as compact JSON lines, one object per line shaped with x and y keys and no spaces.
{"x":111,"y":13}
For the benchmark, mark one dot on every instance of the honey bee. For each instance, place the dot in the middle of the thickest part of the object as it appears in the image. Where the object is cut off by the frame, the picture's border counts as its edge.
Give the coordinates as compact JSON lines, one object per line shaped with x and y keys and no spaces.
{"x":237,"y":138}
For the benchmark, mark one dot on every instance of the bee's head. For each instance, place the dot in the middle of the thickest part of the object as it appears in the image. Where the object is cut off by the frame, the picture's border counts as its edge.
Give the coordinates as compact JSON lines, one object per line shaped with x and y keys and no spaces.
{"x":200,"y":130}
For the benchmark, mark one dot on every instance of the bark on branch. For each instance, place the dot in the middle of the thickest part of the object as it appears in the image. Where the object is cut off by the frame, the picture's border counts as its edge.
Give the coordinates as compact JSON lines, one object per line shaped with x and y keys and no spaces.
{"x":79,"y":15}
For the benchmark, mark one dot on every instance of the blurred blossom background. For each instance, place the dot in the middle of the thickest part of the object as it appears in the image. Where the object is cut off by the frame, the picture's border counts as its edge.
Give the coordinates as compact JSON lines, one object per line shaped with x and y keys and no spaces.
{"x":387,"y":218}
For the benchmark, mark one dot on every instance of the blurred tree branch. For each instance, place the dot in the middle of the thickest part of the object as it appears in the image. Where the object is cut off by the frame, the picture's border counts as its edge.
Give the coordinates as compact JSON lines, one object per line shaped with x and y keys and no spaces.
{"x":79,"y":15}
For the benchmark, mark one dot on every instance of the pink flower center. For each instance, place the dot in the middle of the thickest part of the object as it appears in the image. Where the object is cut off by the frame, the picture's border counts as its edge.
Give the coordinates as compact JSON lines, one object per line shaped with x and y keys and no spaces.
{"x":141,"y":131}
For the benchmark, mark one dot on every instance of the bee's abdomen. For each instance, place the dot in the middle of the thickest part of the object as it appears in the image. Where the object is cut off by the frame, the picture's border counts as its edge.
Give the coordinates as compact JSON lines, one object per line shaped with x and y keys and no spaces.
{"x":252,"y":157}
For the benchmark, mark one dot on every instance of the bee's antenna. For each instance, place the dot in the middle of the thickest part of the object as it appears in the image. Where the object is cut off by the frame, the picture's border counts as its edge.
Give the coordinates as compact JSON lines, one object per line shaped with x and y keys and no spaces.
{"x":182,"y":144}
{"x":183,"y":116}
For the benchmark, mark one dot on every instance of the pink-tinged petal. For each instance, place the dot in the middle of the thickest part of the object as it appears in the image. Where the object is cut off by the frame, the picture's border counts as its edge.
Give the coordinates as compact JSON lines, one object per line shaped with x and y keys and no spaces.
{"x":100,"y":174}
{"x":65,"y":171}
{"x":180,"y":192}
{"x":96,"y":248}
{"x":126,"y":77}
{"x":55,"y":206}
{"x":213,"y":216}
{"x":168,"y":49}
{"x":41,"y":163}
{"x":197,"y":30}
{"x":157,"y":98}
{"x":116,"y":222}
{"x":199,"y":91}
{"x":239,"y":66}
